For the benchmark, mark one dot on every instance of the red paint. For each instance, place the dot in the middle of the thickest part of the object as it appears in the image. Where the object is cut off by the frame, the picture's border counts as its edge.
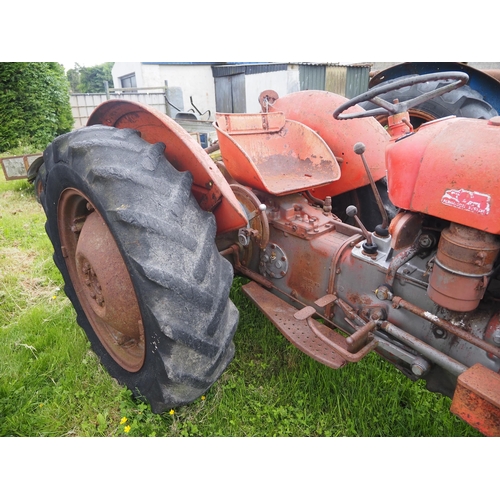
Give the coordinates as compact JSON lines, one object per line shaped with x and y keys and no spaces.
{"x":449,"y":169}
{"x":315,"y":109}
{"x":181,"y":150}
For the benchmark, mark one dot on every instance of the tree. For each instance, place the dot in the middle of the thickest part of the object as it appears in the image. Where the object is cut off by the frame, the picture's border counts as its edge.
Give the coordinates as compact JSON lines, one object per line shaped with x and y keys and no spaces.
{"x":90,"y":80}
{"x":34,"y":104}
{"x":73,"y":76}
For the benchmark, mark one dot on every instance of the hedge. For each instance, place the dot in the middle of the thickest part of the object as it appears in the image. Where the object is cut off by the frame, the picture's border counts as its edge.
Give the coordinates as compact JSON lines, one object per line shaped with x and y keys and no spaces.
{"x":34,"y":104}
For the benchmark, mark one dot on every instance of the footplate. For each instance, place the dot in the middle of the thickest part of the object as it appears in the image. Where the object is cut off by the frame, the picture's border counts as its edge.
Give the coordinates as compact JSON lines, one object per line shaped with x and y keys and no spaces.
{"x":477,"y":399}
{"x":297,"y":332}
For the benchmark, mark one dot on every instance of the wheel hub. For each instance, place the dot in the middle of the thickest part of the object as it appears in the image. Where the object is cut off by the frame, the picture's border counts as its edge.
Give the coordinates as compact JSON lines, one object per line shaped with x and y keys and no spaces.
{"x":101,"y":280}
{"x":90,"y":279}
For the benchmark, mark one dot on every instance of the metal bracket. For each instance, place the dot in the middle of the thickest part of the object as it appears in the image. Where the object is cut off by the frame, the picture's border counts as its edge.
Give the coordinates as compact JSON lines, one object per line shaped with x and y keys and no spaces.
{"x":359,"y":344}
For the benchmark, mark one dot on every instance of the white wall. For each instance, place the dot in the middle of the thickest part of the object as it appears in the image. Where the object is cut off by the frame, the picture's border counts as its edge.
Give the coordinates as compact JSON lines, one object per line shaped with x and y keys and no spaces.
{"x":197,"y":81}
{"x":126,"y":68}
{"x":282,"y":82}
{"x":194,"y":81}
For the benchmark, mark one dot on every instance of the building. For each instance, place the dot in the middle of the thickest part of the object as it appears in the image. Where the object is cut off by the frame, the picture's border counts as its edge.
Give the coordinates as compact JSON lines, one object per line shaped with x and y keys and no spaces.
{"x":202,"y":88}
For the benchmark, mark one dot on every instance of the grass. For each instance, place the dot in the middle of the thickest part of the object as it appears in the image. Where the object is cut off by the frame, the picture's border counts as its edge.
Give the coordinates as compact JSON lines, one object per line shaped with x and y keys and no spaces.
{"x":51,"y":383}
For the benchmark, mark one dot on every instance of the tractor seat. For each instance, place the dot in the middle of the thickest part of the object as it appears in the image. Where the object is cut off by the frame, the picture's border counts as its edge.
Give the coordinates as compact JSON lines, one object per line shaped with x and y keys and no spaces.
{"x":269,"y":153}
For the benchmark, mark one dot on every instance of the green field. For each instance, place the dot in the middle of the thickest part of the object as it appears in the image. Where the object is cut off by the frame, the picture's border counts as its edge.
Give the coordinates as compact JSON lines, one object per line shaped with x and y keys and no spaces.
{"x":52,"y":384}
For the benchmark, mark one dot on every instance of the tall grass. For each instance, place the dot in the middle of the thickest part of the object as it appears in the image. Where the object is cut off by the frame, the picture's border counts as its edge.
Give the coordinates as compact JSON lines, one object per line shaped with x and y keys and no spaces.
{"x":52,"y":384}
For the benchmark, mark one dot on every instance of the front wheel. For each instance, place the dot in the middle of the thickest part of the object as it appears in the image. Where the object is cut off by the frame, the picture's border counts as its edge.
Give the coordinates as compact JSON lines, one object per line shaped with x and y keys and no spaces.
{"x":140,"y":264}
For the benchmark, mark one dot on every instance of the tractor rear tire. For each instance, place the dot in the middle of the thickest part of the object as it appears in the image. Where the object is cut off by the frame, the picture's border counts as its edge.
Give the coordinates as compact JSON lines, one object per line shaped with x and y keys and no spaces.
{"x":461,"y":102}
{"x":139,"y":262}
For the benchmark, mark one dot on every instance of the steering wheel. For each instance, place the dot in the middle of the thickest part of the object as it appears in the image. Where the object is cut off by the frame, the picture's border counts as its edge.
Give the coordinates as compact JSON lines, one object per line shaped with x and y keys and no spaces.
{"x":388,"y":108}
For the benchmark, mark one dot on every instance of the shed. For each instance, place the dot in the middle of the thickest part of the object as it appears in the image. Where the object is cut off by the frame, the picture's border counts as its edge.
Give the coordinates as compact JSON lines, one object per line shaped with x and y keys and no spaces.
{"x":238,"y":85}
{"x":348,"y":80}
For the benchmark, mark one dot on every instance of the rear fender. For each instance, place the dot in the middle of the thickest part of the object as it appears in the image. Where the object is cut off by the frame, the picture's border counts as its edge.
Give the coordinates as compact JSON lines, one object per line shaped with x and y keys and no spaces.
{"x":315,"y":108}
{"x":210,"y":188}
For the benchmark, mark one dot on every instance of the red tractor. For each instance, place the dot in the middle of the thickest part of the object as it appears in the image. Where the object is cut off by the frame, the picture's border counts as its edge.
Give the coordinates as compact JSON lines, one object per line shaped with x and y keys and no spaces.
{"x":387,"y":235}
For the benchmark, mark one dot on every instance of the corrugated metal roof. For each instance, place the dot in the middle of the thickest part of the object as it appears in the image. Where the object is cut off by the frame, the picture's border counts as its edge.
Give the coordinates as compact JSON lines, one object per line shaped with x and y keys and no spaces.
{"x":254,"y":66}
{"x":184,"y":63}
{"x":341,"y":65}
{"x":247,"y":69}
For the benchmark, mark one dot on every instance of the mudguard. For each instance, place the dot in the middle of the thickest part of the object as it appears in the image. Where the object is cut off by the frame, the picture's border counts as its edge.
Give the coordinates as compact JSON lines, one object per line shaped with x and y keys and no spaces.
{"x":210,"y":188}
{"x":315,"y":108}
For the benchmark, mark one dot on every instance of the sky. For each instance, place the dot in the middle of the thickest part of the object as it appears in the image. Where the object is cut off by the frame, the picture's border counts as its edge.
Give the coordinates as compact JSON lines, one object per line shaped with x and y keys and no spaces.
{"x":85,"y":63}
{"x":318,"y":32}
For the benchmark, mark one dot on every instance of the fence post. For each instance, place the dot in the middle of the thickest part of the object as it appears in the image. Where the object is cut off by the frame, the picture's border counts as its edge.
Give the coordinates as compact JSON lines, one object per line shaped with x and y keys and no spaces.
{"x":106,"y":89}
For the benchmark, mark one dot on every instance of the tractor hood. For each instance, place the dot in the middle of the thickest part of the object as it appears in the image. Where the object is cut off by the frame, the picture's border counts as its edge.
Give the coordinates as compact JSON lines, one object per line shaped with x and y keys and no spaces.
{"x":449,"y":169}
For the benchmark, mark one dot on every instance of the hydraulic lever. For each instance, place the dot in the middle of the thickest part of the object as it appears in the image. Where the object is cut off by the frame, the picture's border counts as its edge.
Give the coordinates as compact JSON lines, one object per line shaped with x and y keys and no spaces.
{"x":381,"y":230}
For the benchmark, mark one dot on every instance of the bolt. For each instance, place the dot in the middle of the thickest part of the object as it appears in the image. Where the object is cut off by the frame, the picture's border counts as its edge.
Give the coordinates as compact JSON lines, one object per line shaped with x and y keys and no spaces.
{"x":420,"y":366}
{"x":417,"y":370}
{"x":376,"y":315}
{"x":425,"y":241}
{"x":439,"y":333}
{"x":383,"y":293}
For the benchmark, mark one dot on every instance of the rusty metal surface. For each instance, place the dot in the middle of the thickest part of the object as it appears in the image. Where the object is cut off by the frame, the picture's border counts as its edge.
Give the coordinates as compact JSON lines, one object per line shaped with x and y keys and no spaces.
{"x":446,"y":325}
{"x":431,"y":353}
{"x":297,"y":332}
{"x":462,"y":265}
{"x":345,"y":353}
{"x":309,"y":254}
{"x":315,"y":108}
{"x":101,"y":280}
{"x":274,"y":155}
{"x":477,"y":399}
{"x":182,"y":151}
{"x":404,"y":229}
{"x":467,"y":250}
{"x":403,"y":257}
{"x":256,"y":214}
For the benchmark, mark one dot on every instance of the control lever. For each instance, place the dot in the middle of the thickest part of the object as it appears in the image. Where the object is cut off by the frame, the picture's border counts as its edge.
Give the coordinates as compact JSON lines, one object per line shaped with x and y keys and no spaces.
{"x":368,"y":246}
{"x":381,"y":230}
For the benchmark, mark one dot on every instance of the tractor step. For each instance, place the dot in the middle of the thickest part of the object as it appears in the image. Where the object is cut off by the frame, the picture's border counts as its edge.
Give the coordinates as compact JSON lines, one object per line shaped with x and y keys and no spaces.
{"x":297,"y":332}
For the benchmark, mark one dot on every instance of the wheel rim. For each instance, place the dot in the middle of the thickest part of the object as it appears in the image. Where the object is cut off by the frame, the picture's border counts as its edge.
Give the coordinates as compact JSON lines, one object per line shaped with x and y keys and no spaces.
{"x":101,"y":280}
